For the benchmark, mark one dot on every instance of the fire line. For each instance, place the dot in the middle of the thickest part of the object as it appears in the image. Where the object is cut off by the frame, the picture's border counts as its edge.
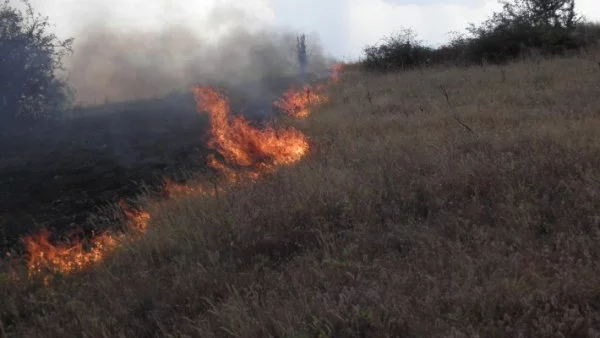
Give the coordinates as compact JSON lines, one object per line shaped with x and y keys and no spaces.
{"x":246,"y":152}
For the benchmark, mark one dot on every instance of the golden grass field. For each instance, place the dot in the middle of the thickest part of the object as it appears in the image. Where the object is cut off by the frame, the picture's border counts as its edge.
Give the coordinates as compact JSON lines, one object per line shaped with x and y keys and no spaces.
{"x":447,"y":202}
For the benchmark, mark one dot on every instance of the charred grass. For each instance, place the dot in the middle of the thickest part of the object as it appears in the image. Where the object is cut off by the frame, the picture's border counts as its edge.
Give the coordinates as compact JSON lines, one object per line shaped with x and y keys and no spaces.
{"x":57,"y":175}
{"x":445,"y":202}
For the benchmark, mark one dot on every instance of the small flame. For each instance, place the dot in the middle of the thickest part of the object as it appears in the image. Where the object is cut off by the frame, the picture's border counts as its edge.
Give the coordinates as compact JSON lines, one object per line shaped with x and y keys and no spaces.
{"x":176,"y":190}
{"x":297,"y":102}
{"x":68,"y":258}
{"x":65,"y":258}
{"x":336,"y":72}
{"x":136,"y":219}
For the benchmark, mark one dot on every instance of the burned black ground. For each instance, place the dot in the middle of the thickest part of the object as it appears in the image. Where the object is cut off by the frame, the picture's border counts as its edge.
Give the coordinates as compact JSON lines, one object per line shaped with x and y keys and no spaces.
{"x":59,"y":175}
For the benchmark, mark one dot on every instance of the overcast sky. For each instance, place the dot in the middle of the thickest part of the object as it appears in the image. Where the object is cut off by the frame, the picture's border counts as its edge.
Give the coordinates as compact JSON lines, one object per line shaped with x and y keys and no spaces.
{"x":344,"y":26}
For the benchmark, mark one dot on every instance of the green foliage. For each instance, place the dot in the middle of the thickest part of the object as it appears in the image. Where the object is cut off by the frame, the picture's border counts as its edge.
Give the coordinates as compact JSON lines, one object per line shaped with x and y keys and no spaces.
{"x":30,"y":57}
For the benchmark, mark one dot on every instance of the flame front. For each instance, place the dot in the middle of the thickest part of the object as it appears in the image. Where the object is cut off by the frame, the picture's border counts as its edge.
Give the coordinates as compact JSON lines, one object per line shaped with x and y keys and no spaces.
{"x":247,"y":152}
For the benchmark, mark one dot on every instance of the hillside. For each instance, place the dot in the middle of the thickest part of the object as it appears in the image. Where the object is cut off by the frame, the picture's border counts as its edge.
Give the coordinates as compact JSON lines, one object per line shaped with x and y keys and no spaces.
{"x":440,"y":202}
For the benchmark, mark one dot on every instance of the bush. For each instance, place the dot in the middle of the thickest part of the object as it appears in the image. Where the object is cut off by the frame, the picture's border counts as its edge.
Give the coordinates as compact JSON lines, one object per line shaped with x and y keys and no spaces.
{"x":399,"y":52}
{"x":30,"y":57}
{"x":544,"y":25}
{"x":587,"y":34}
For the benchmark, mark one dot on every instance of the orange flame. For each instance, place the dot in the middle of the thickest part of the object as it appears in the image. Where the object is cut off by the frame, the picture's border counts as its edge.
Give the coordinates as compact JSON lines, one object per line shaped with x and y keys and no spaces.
{"x":336,"y":72}
{"x":137,"y":219}
{"x":65,"y":258}
{"x":68,"y":258}
{"x":247,"y":152}
{"x":242,"y":145}
{"x":255,"y":151}
{"x":297,"y":102}
{"x":175,"y":190}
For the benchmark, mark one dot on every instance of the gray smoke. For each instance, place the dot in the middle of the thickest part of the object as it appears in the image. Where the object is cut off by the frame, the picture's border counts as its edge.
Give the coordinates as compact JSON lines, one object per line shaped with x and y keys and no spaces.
{"x":115,"y":65}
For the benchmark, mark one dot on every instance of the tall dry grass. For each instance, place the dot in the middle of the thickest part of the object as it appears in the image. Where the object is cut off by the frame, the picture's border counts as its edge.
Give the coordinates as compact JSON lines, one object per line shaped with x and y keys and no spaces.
{"x":445,"y":202}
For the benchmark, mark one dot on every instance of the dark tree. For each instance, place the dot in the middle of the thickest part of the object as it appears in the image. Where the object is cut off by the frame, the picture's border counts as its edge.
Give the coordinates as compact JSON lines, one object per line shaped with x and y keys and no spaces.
{"x":538,"y":13}
{"x":30,"y":57}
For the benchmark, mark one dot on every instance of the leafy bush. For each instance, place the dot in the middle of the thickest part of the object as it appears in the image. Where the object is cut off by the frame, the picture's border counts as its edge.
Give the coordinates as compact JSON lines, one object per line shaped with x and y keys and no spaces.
{"x":30,"y":57}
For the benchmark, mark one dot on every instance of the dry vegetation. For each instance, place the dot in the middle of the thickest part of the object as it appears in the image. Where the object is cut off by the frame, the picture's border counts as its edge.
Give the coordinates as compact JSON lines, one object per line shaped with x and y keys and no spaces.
{"x":444,"y":202}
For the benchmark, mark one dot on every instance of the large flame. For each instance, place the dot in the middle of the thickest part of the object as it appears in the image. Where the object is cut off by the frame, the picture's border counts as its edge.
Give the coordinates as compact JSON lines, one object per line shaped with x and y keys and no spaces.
{"x":246,"y":152}
{"x":242,"y":145}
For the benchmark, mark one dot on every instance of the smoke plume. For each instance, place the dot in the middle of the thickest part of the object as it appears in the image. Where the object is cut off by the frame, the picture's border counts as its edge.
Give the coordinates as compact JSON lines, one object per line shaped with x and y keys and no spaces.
{"x":115,"y":64}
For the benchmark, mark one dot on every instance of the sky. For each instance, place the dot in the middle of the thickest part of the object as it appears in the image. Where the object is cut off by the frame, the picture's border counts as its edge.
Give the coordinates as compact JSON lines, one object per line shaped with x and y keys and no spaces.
{"x":344,"y":27}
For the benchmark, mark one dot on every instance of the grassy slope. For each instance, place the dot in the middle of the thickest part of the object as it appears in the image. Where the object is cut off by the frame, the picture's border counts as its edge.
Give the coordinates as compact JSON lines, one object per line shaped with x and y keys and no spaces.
{"x":401,"y":222}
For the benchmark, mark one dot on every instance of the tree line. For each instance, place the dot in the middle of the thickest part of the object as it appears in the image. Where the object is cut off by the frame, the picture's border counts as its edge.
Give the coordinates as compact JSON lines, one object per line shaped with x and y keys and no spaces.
{"x":520,"y":28}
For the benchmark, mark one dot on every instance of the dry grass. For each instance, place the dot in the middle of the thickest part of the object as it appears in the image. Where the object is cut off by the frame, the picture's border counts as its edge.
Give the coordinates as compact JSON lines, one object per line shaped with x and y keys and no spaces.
{"x":402,"y":222}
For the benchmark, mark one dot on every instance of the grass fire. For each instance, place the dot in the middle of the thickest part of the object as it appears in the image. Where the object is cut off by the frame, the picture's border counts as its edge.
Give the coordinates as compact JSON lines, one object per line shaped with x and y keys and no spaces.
{"x":45,"y":257}
{"x":247,"y":152}
{"x":244,"y":146}
{"x":247,"y":185}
